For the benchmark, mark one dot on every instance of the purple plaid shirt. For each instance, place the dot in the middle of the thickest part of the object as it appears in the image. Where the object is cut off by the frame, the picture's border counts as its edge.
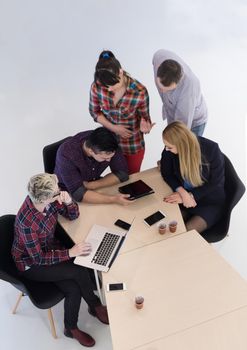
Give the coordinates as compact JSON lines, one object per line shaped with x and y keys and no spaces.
{"x":73,"y":166}
{"x":34,"y":242}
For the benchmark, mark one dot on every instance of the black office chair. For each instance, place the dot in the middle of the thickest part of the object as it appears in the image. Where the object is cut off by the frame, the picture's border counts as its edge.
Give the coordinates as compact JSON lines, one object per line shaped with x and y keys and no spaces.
{"x":49,"y":155}
{"x":43,"y":295}
{"x":49,"y":160}
{"x":234,"y":189}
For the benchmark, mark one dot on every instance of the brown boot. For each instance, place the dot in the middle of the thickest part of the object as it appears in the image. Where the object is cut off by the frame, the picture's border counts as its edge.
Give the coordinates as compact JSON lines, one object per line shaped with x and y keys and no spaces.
{"x":99,"y":311}
{"x":82,"y":337}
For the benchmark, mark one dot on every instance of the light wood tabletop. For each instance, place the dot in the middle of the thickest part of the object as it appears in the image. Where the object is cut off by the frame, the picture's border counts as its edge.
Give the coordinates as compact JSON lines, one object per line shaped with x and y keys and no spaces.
{"x":184,"y":281}
{"x":107,"y":214}
{"x":226,"y":332}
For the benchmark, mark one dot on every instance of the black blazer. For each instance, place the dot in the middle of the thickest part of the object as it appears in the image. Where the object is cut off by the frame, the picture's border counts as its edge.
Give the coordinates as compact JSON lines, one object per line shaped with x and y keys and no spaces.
{"x":213,"y":173}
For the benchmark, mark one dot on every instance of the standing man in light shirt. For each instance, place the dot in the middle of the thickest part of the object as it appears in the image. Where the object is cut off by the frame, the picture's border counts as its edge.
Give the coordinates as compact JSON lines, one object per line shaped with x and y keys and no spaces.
{"x":180,"y":91}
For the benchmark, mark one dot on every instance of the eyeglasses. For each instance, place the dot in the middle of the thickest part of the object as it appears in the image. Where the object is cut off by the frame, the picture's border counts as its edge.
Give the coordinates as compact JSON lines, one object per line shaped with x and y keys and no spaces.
{"x":56,"y":194}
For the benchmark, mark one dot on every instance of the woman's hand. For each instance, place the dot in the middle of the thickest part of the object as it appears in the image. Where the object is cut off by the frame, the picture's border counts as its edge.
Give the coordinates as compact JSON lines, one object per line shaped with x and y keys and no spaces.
{"x":123,"y":131}
{"x":173,"y":198}
{"x":82,"y":248}
{"x":189,"y":201}
{"x":146,"y":126}
{"x":187,"y":198}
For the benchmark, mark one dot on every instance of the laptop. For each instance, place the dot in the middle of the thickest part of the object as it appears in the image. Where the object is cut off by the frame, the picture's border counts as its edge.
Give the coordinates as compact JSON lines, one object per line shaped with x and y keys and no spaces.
{"x":136,"y":189}
{"x":106,"y":244}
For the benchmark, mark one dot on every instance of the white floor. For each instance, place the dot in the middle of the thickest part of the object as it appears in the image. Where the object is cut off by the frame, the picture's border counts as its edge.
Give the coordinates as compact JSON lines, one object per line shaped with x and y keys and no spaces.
{"x":48,"y":52}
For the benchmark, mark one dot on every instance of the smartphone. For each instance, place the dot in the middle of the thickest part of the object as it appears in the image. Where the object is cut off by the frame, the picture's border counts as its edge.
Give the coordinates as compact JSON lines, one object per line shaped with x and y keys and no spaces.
{"x":110,"y":287}
{"x":155,"y":217}
{"x":122,"y":224}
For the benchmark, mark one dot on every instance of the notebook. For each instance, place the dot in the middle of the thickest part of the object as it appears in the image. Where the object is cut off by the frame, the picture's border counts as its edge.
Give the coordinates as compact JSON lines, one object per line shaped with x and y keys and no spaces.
{"x":106,"y":244}
{"x":136,"y":189}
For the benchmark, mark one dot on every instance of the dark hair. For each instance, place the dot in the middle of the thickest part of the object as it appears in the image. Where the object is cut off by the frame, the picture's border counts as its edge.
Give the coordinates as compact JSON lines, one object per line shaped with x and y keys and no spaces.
{"x":169,"y":72}
{"x":102,"y":140}
{"x":107,"y":69}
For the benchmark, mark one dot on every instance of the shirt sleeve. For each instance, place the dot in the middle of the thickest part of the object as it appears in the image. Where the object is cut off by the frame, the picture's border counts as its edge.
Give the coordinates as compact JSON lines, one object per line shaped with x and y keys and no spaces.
{"x":70,"y":211}
{"x":94,"y":106}
{"x":143,"y":108}
{"x":119,"y":167}
{"x":33,"y":247}
{"x":69,"y":175}
{"x":168,"y":167}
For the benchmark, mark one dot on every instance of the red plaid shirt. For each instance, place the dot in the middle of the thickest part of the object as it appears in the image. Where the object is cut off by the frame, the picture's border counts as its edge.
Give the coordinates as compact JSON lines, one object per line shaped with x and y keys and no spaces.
{"x":129,"y":110}
{"x":34,"y":242}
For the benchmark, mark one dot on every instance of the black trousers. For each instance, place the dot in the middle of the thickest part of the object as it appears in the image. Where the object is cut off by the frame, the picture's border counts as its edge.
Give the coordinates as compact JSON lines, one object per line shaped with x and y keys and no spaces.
{"x":73,"y":280}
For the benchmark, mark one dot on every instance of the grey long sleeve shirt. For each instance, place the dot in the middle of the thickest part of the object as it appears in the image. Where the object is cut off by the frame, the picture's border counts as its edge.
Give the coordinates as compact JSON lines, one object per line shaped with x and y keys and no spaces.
{"x":185,"y":103}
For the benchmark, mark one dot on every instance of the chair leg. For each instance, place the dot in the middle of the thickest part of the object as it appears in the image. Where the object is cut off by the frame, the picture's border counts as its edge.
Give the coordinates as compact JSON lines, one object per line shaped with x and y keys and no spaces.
{"x":53,"y":328}
{"x":17,"y":303}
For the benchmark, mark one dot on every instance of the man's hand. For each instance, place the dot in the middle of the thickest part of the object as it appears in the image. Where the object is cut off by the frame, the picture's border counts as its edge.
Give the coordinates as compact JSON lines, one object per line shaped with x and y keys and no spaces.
{"x":123,"y":199}
{"x":123,"y":131}
{"x":82,"y":248}
{"x":146,"y":126}
{"x":64,"y":197}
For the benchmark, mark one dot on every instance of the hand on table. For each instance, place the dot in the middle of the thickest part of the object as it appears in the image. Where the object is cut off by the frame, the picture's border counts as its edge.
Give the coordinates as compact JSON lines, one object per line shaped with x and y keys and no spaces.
{"x":123,"y":199}
{"x":173,"y":198}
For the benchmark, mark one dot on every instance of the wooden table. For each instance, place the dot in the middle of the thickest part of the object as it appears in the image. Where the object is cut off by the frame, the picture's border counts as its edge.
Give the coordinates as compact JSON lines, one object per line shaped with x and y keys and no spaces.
{"x":107,"y":214}
{"x":226,"y":332}
{"x":185,"y":283}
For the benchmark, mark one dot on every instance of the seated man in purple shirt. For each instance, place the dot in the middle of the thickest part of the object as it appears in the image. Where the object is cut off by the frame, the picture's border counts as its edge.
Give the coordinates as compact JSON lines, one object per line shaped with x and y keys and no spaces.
{"x":82,"y":159}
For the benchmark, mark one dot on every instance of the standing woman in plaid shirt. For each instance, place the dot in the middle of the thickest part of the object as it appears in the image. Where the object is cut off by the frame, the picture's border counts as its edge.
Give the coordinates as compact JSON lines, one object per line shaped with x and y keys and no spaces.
{"x":40,"y":257}
{"x":121,"y":104}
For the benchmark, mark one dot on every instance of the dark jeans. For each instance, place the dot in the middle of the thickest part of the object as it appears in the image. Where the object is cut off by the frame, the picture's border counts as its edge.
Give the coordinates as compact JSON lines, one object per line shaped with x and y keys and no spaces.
{"x":73,"y":280}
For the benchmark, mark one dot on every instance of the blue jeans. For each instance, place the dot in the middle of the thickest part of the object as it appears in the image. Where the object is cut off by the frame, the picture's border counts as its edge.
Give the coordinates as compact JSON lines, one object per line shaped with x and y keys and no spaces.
{"x":198,"y":130}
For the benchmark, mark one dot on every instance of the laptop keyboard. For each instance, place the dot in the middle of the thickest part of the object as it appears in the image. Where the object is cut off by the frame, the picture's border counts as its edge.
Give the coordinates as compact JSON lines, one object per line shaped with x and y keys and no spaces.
{"x":105,"y":249}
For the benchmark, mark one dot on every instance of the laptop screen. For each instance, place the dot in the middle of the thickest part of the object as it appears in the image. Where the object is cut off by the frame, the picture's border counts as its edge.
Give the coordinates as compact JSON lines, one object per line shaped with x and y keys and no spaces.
{"x":136,"y":189}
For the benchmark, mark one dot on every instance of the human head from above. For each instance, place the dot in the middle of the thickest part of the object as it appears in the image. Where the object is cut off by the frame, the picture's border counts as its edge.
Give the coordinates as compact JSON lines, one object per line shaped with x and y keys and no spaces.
{"x":108,"y":71}
{"x":180,"y":140}
{"x":169,"y":74}
{"x":43,"y":188}
{"x":101,"y":145}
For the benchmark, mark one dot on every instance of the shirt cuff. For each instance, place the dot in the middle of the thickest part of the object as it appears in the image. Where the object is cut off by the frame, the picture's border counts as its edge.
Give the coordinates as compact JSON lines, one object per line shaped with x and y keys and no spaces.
{"x":78,"y":194}
{"x":122,"y":175}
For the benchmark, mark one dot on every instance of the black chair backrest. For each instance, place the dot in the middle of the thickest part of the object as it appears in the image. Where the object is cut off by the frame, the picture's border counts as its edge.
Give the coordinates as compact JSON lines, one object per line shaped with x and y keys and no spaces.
{"x":234,"y":189}
{"x":8,"y":270}
{"x":43,"y":294}
{"x":49,"y":155}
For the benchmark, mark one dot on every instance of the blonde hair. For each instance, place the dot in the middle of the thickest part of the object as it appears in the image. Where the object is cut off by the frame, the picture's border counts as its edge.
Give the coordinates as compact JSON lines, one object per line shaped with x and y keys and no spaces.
{"x":42,"y":187}
{"x":189,"y":151}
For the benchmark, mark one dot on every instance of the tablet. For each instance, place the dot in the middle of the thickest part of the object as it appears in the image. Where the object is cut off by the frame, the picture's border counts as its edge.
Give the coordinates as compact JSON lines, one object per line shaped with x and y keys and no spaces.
{"x":136,"y":189}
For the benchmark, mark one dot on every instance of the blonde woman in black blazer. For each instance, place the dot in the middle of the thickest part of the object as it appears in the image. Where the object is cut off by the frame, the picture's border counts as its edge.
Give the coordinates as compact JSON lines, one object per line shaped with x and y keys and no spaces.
{"x":193,"y":167}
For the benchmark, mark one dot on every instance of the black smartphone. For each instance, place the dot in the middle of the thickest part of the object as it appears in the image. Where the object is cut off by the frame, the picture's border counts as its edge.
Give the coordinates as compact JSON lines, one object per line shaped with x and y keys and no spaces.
{"x":155,"y":217}
{"x":122,"y":224}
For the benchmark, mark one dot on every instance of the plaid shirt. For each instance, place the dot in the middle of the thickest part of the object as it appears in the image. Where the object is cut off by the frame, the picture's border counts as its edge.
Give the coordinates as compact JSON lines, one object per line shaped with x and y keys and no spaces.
{"x":129,"y":110}
{"x":34,"y":242}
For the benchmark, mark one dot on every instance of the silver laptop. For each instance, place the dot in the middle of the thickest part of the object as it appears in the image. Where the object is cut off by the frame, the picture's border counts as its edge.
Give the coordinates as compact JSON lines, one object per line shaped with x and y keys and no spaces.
{"x":106,"y":244}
